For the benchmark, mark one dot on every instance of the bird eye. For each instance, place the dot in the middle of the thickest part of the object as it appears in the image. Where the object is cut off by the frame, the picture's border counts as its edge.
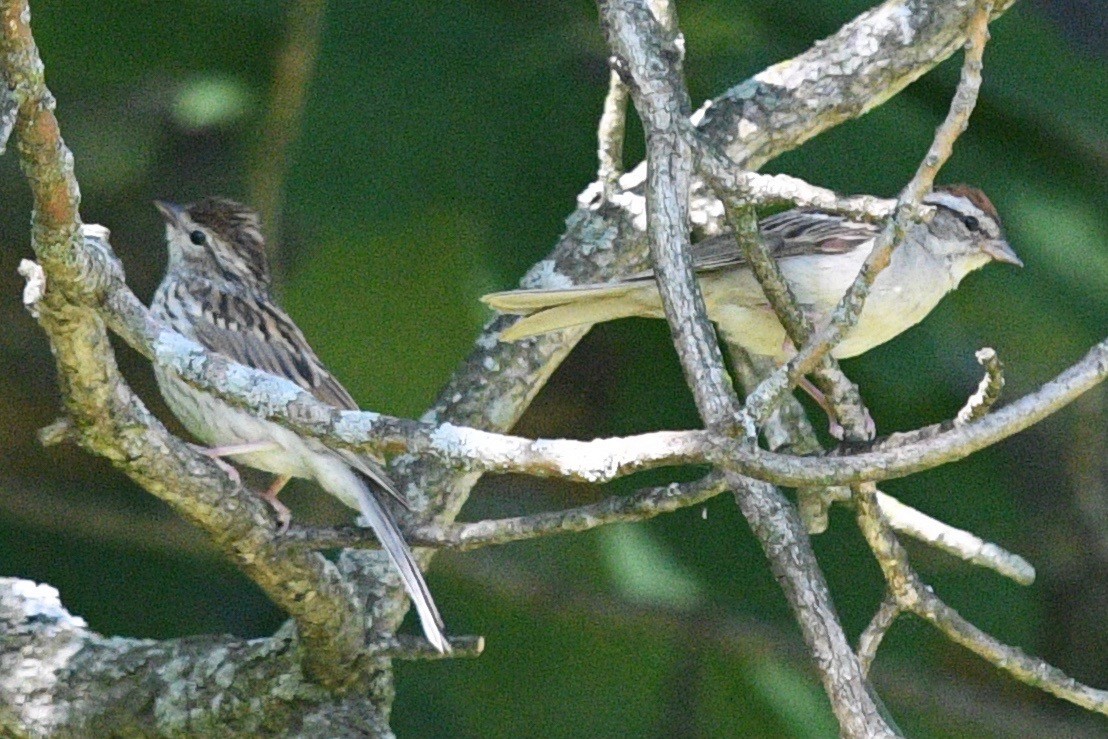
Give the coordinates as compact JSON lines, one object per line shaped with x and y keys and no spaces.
{"x":971,"y":223}
{"x":198,"y":238}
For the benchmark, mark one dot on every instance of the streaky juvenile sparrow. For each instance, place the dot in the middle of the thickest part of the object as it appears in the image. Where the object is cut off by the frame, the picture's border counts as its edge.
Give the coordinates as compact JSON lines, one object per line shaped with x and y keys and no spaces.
{"x":216,"y":291}
{"x":819,"y":254}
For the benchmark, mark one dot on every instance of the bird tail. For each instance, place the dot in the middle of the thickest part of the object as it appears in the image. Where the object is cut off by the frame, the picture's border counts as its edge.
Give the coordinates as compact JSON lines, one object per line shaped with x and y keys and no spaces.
{"x":551,"y":310}
{"x":384,"y":526}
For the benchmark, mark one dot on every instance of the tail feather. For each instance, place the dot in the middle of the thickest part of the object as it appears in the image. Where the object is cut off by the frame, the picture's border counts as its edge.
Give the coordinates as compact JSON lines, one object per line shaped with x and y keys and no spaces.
{"x":569,"y":315}
{"x":392,"y":541}
{"x":524,"y":302}
{"x":551,"y":310}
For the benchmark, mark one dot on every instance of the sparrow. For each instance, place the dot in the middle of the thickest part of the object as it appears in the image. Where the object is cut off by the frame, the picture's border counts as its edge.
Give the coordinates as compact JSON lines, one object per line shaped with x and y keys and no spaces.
{"x":217,"y":292}
{"x":819,"y":254}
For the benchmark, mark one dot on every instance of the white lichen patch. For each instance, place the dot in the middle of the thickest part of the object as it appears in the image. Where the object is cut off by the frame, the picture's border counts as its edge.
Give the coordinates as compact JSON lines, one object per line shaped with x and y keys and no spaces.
{"x":901,"y":16}
{"x":591,"y":461}
{"x":778,"y":75}
{"x":501,"y":411}
{"x":35,"y":286}
{"x":266,"y":392}
{"x":698,"y":116}
{"x":747,"y":129}
{"x":457,"y":442}
{"x":487,"y":340}
{"x":174,"y":351}
{"x":51,"y":637}
{"x":355,"y":426}
{"x":545,"y":274}
{"x":43,"y":603}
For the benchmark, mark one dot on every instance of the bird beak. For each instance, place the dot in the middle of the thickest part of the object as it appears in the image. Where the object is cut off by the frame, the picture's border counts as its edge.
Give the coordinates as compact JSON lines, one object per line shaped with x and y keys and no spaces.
{"x":999,"y":250}
{"x":171,"y":212}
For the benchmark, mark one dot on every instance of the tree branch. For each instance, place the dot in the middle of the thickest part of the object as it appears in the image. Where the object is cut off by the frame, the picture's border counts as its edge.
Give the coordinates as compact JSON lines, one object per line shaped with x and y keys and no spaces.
{"x":639,"y":506}
{"x":901,"y":43}
{"x":112,"y":421}
{"x":652,"y":63}
{"x":912,"y":595}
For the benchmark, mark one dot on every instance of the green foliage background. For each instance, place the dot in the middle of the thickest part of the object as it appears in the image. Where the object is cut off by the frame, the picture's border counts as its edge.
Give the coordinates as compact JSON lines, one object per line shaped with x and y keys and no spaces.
{"x":441,"y":148}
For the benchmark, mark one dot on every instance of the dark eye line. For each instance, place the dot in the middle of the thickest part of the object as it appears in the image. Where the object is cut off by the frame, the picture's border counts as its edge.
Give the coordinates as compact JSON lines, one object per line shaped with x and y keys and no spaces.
{"x":971,"y":223}
{"x":229,"y":275}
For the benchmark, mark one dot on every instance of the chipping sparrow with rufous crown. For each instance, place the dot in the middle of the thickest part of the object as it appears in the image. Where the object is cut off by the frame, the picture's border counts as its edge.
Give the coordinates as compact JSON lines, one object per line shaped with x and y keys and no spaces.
{"x":216,"y":292}
{"x":819,"y":254}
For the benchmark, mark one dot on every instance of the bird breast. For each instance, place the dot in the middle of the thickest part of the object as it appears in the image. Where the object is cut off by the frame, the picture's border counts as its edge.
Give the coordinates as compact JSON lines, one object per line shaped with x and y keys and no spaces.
{"x":217,"y":423}
{"x":902,"y":295}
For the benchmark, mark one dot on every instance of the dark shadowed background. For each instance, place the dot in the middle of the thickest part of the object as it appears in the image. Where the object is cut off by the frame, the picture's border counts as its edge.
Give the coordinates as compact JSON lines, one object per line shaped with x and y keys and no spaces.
{"x":440,"y":149}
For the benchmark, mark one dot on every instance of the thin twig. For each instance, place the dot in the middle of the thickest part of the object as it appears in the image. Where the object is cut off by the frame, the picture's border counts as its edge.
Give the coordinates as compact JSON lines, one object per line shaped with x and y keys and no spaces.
{"x":610,"y":134}
{"x":416,"y":648}
{"x":988,"y":391}
{"x":846,"y":314}
{"x":954,"y":541}
{"x":847,"y":408}
{"x":775,"y":190}
{"x":639,"y":506}
{"x":1023,"y":667}
{"x":912,"y":595}
{"x":879,"y":625}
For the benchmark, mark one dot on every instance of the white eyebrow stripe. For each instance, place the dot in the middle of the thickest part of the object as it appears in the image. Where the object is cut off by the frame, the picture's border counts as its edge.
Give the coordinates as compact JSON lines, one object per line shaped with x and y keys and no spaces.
{"x":956,"y":203}
{"x":963,"y":205}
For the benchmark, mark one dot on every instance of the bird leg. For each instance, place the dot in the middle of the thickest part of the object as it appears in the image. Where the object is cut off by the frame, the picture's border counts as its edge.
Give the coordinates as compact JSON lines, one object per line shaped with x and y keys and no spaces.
{"x":249,"y":447}
{"x":217,"y":452}
{"x":284,"y":515}
{"x":833,"y":426}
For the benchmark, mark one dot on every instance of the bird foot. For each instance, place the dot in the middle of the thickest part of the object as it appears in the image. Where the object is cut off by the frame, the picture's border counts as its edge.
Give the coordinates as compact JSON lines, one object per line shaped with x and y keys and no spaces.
{"x":869,"y":428}
{"x":284,"y":515}
{"x":838,"y":432}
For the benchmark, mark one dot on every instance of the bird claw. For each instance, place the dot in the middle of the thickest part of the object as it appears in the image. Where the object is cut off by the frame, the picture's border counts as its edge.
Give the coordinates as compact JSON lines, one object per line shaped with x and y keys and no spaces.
{"x":284,"y":515}
{"x":869,"y":429}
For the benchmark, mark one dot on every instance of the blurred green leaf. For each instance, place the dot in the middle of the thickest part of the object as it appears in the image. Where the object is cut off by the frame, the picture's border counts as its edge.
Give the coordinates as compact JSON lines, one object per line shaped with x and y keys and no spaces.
{"x":644,"y":571}
{"x":210,"y":101}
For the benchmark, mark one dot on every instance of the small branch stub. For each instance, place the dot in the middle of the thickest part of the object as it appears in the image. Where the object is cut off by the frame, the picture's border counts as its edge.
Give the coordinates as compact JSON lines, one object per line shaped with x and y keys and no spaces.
{"x":36,"y":285}
{"x":9,"y":112}
{"x":988,"y":391}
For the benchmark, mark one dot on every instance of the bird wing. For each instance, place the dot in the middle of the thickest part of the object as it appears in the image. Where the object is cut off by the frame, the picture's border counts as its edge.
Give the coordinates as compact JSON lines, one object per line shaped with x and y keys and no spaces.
{"x":793,"y":233}
{"x":260,"y":335}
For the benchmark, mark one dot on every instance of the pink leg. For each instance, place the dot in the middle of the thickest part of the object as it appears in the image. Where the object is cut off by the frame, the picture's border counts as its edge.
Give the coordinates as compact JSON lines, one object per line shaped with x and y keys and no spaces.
{"x":228,"y":469}
{"x":284,"y":515}
{"x":834,"y":427}
{"x":249,"y":447}
{"x":216,"y":452}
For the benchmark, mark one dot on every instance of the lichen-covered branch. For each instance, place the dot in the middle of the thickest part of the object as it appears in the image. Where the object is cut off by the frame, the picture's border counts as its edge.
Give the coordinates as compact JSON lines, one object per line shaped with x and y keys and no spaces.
{"x":652,"y":62}
{"x":112,"y":421}
{"x":470,"y":450}
{"x":913,"y":596}
{"x":988,"y":391}
{"x":83,"y":288}
{"x":639,"y":506}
